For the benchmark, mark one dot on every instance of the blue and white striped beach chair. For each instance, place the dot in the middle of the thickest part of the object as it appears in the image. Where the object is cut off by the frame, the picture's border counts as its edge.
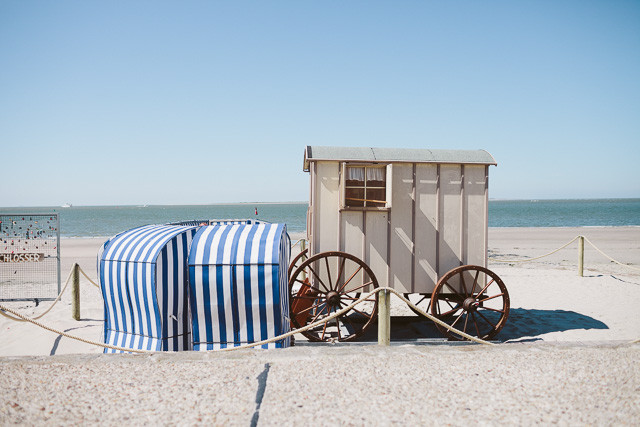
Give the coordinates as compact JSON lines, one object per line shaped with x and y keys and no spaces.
{"x":143,"y":276}
{"x":238,"y":285}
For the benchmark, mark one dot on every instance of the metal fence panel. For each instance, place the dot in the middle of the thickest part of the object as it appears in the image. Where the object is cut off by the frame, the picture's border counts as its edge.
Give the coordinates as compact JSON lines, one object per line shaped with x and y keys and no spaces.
{"x":29,"y":256}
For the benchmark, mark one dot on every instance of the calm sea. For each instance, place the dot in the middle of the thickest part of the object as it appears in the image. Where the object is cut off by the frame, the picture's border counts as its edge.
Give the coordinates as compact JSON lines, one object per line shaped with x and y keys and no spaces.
{"x":103,"y":221}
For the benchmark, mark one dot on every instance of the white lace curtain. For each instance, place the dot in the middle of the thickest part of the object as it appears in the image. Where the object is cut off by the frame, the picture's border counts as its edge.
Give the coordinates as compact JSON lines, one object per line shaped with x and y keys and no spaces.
{"x":357,"y":174}
{"x":375,"y":174}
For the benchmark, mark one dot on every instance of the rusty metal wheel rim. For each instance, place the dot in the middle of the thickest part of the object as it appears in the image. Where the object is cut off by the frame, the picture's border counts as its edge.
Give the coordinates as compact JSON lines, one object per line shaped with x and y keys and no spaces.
{"x":334,"y":291}
{"x":479,"y":311}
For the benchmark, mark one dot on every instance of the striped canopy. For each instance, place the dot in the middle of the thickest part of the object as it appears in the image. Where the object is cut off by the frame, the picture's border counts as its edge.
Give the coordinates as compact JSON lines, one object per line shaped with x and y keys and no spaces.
{"x":143,"y":276}
{"x":238,"y":285}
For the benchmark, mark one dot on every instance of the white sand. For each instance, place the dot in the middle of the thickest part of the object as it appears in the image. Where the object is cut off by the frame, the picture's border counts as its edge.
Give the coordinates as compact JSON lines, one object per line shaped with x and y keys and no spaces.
{"x":549,"y":301}
{"x":569,"y":360}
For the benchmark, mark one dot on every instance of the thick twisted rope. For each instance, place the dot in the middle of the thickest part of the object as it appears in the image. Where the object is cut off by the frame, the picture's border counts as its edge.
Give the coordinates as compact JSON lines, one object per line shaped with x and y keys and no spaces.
{"x":510,"y":261}
{"x":298,"y":241}
{"x":64,"y":334}
{"x":88,"y":278}
{"x":608,"y":257}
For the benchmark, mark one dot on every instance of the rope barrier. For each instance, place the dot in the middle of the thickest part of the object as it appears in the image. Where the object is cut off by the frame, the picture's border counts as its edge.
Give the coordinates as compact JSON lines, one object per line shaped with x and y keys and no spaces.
{"x":23,"y":318}
{"x":298,"y":241}
{"x":64,"y":334}
{"x":510,"y":261}
{"x":608,"y":257}
{"x":88,"y":278}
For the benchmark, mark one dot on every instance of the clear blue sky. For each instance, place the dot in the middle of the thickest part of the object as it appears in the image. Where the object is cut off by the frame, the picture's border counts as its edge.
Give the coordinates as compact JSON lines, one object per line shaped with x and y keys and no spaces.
{"x":210,"y":102}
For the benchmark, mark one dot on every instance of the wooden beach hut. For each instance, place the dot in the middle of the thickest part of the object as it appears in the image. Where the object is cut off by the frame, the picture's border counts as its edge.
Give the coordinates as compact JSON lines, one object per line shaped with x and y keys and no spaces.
{"x":410,"y":214}
{"x":415,"y":220}
{"x":143,"y":275}
{"x":238,"y":284}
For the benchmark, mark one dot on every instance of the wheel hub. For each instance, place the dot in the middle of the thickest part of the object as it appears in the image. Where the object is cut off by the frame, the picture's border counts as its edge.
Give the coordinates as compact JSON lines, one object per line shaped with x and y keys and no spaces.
{"x":470,"y":304}
{"x":333,"y":298}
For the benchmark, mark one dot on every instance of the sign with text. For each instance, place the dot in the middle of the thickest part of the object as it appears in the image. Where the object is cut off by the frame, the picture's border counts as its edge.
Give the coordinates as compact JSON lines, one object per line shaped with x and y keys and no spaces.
{"x":21,"y":257}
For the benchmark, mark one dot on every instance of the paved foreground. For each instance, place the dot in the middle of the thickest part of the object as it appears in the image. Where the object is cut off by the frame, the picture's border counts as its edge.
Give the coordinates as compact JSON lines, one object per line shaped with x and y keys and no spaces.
{"x":327,"y":385}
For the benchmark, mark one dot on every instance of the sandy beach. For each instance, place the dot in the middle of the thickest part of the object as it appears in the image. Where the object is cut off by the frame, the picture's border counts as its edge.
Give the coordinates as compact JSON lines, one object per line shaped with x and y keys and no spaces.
{"x":564,"y":356}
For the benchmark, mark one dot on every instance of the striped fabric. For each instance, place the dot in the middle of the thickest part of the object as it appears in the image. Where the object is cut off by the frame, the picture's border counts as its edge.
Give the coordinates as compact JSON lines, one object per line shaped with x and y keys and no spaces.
{"x":238,"y":285}
{"x":143,"y":277}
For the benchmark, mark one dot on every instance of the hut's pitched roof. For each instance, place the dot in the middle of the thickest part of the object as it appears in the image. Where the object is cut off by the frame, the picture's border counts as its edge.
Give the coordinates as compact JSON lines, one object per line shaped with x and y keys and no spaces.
{"x":395,"y":155}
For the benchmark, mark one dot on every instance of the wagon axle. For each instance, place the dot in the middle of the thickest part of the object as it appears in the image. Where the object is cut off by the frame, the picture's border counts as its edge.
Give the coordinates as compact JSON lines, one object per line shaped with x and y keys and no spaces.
{"x":333,"y":299}
{"x":470,"y":304}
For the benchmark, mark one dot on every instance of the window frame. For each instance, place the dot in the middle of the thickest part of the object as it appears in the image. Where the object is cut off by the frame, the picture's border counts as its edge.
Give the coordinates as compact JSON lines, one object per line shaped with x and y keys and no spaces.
{"x":386,"y":187}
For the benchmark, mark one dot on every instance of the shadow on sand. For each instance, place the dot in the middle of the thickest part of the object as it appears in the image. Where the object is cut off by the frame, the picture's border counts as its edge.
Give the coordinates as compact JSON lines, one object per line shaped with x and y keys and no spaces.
{"x":521,"y":323}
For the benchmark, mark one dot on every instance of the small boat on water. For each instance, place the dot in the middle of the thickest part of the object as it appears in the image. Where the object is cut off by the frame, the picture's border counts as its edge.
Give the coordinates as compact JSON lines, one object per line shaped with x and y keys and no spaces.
{"x":67,"y":205}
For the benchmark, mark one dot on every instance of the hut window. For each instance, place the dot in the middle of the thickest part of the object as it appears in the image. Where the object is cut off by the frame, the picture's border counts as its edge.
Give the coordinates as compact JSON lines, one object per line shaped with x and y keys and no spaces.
{"x":365,"y":186}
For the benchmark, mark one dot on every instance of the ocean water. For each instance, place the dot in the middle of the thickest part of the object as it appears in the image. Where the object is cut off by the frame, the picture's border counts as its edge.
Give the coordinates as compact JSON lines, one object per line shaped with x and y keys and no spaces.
{"x":105,"y":221}
{"x":564,"y":213}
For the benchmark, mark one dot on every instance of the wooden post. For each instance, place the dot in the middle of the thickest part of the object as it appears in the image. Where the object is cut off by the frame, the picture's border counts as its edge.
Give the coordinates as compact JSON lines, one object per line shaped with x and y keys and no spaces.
{"x":581,"y":256}
{"x":75,"y":292}
{"x":384,"y":318}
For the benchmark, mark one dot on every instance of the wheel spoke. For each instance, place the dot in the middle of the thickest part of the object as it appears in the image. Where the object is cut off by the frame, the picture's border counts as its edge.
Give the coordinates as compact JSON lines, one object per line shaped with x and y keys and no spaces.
{"x":350,"y":322}
{"x":338,"y":326}
{"x":454,"y":291}
{"x":489,"y":298}
{"x":466,"y":319}
{"x":359,"y":312}
{"x":304,"y":297}
{"x":318,"y":277}
{"x":318,"y":314}
{"x":464,"y":286}
{"x":475,"y":282}
{"x":485,"y":288}
{"x":324,"y":330}
{"x":449,"y":303}
{"x":306,"y":283}
{"x":361,"y":286}
{"x":307,"y":309}
{"x":450,"y":312}
{"x":475,"y":322}
{"x":486,"y":320}
{"x":424,"y":297}
{"x":352,"y":276}
{"x":340,"y":270}
{"x":326,"y":261}
{"x":456,"y":321}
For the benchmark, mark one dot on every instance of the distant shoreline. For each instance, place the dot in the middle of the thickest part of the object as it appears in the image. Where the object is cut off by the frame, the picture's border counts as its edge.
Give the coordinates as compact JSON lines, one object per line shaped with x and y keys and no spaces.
{"x":143,"y":205}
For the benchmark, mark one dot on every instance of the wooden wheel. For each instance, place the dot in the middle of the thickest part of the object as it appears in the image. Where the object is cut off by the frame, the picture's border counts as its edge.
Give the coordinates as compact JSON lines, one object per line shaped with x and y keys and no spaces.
{"x":472,"y":299}
{"x":297,"y":261}
{"x":326,"y":283}
{"x":423,"y":301}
